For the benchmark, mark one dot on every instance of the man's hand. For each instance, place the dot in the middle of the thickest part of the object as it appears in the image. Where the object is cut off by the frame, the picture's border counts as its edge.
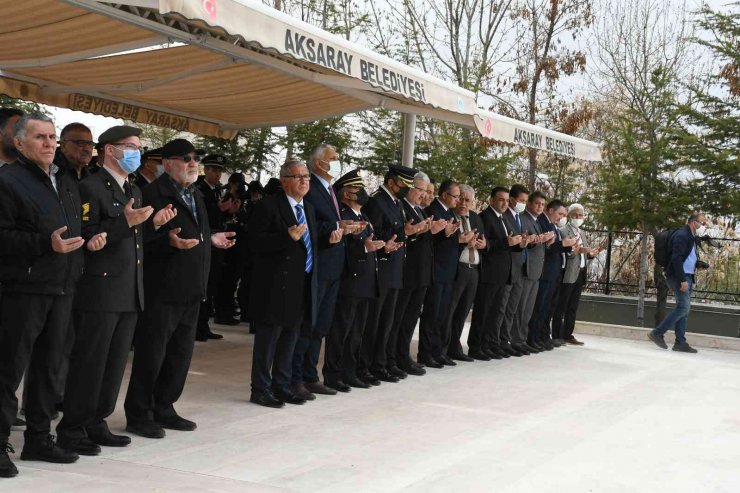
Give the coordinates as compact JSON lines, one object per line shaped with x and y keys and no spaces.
{"x":135,"y":217}
{"x":335,"y":236}
{"x":296,"y":232}
{"x":451,"y":227}
{"x":569,"y":242}
{"x":438,"y":225}
{"x":514,"y":240}
{"x":97,"y":242}
{"x":480,"y":242}
{"x":525,"y":240}
{"x":350,"y":227}
{"x":684,"y":286}
{"x":391,"y":245}
{"x":163,"y":216}
{"x":373,"y":245}
{"x":60,"y":245}
{"x":466,"y":237}
{"x":179,"y":243}
{"x":224,"y":239}
{"x":410,"y":228}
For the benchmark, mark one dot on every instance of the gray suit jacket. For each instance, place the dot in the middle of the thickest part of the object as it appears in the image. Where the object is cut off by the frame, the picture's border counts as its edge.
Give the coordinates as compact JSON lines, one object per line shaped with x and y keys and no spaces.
{"x":535,"y":253}
{"x":572,"y":260}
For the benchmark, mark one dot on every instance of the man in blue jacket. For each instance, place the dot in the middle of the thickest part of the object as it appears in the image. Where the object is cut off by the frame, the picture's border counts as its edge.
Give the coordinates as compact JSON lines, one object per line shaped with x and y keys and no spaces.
{"x":680,"y":276}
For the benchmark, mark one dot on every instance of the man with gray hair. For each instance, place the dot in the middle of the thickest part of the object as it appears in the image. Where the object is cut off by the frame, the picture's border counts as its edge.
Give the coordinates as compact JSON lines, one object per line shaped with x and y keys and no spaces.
{"x":40,"y":241}
{"x":325,"y":167}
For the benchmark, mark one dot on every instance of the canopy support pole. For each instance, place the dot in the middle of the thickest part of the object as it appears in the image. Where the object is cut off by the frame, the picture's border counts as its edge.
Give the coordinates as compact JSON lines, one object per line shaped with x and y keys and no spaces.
{"x":409,"y":137}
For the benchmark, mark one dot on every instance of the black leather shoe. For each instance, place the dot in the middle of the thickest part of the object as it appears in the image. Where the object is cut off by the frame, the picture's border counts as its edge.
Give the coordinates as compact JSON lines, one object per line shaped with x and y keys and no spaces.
{"x":213,"y":335}
{"x":491,"y":354}
{"x":175,"y":423}
{"x":339,"y":386}
{"x":83,"y":446}
{"x":46,"y":450}
{"x":445,"y":360}
{"x":147,"y":429}
{"x":512,"y":351}
{"x":319,"y":388}
{"x":300,"y":390}
{"x":369,"y":379}
{"x":479,"y":355}
{"x":266,"y":399}
{"x":397,"y":372}
{"x":18,"y":423}
{"x":108,"y":439}
{"x":528,"y":348}
{"x":357,"y":383}
{"x":497,"y":350}
{"x":431,"y":362}
{"x":414,"y":370}
{"x":201,"y":337}
{"x":384,"y":376}
{"x":460,"y":357}
{"x":287,"y":395}
{"x":7,"y":468}
{"x":226,"y":321}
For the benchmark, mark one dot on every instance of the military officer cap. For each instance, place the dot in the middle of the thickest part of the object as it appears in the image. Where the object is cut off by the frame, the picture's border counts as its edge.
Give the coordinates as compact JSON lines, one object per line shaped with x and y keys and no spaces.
{"x":351,"y":179}
{"x":153,"y":154}
{"x":404,"y":173}
{"x":214,"y":160}
{"x":177,"y":148}
{"x":118,"y":133}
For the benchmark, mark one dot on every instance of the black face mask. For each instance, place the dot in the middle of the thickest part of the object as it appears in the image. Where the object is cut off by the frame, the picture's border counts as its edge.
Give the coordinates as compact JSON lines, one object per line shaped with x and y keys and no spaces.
{"x":402,"y":192}
{"x":361,"y":197}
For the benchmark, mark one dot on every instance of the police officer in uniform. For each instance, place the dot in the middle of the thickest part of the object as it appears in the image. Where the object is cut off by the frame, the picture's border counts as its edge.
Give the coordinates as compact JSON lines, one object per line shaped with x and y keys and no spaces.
{"x":151,"y":164}
{"x":385,"y":212}
{"x":358,"y":287}
{"x":109,"y":294}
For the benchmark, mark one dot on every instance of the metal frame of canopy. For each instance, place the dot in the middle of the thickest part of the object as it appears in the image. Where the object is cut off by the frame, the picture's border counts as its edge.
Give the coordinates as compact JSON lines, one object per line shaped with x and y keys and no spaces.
{"x":254,"y":47}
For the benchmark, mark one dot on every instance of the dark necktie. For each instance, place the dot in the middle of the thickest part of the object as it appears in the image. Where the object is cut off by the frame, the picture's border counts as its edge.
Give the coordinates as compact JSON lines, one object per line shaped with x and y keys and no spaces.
{"x":127,"y":189}
{"x":466,"y":228}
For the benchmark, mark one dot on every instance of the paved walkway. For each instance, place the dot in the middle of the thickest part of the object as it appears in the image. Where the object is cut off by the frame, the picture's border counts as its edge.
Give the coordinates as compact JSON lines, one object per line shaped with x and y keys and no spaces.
{"x":612,"y":416}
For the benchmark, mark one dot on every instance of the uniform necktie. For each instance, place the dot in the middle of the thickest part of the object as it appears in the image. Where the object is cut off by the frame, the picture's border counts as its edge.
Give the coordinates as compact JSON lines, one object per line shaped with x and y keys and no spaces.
{"x":466,"y":228}
{"x":127,"y":189}
{"x":306,"y":237}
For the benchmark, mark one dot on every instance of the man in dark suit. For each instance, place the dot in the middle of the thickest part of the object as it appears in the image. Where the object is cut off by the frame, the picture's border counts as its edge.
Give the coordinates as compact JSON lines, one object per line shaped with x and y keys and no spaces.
{"x":359,"y":286}
{"x":175,"y":278}
{"x":683,"y":256}
{"x":417,"y":276}
{"x":483,"y":339}
{"x":432,"y":331}
{"x":532,"y":269}
{"x":504,"y":322}
{"x":552,"y":273}
{"x":385,"y":212}
{"x":325,"y":167}
{"x":284,"y":243}
{"x":40,"y":240}
{"x":469,"y":263}
{"x":109,"y":294}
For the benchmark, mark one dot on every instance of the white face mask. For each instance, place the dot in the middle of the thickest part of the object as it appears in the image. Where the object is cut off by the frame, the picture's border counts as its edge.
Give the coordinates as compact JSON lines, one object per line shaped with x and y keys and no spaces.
{"x":519,"y":207}
{"x":576,"y":222}
{"x":701,"y":230}
{"x":563,"y":221}
{"x":335,"y":169}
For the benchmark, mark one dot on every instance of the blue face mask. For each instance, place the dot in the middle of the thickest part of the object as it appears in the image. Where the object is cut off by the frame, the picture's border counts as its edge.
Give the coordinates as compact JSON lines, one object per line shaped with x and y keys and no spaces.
{"x":130,"y":161}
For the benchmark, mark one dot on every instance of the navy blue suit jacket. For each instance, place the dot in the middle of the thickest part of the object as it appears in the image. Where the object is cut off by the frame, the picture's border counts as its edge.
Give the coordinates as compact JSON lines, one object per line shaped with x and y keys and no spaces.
{"x":553,"y":267}
{"x":331,"y":258}
{"x":679,"y":248}
{"x":446,"y":249}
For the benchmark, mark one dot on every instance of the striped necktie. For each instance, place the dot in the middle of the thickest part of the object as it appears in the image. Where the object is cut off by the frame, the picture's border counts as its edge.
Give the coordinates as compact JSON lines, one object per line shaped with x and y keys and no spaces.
{"x":306,"y":237}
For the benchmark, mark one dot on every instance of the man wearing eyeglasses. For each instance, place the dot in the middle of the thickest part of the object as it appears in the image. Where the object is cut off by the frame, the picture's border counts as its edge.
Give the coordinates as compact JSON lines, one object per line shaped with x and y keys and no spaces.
{"x":75,"y":150}
{"x":175,"y":279}
{"x":283,"y":241}
{"x":110,"y":294}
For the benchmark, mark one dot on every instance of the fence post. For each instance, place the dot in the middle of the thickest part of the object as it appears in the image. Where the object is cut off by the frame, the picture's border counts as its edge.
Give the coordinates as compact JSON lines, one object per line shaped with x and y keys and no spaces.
{"x":607,"y":287}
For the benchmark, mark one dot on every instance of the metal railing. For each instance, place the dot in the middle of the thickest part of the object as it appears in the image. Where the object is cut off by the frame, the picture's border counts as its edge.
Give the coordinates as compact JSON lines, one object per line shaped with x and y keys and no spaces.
{"x":616,"y":269}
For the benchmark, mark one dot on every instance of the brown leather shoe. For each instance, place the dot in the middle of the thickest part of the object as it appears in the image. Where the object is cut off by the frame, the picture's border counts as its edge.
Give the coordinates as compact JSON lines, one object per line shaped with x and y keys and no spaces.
{"x":319,"y":388}
{"x":300,"y":390}
{"x":573,"y":341}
